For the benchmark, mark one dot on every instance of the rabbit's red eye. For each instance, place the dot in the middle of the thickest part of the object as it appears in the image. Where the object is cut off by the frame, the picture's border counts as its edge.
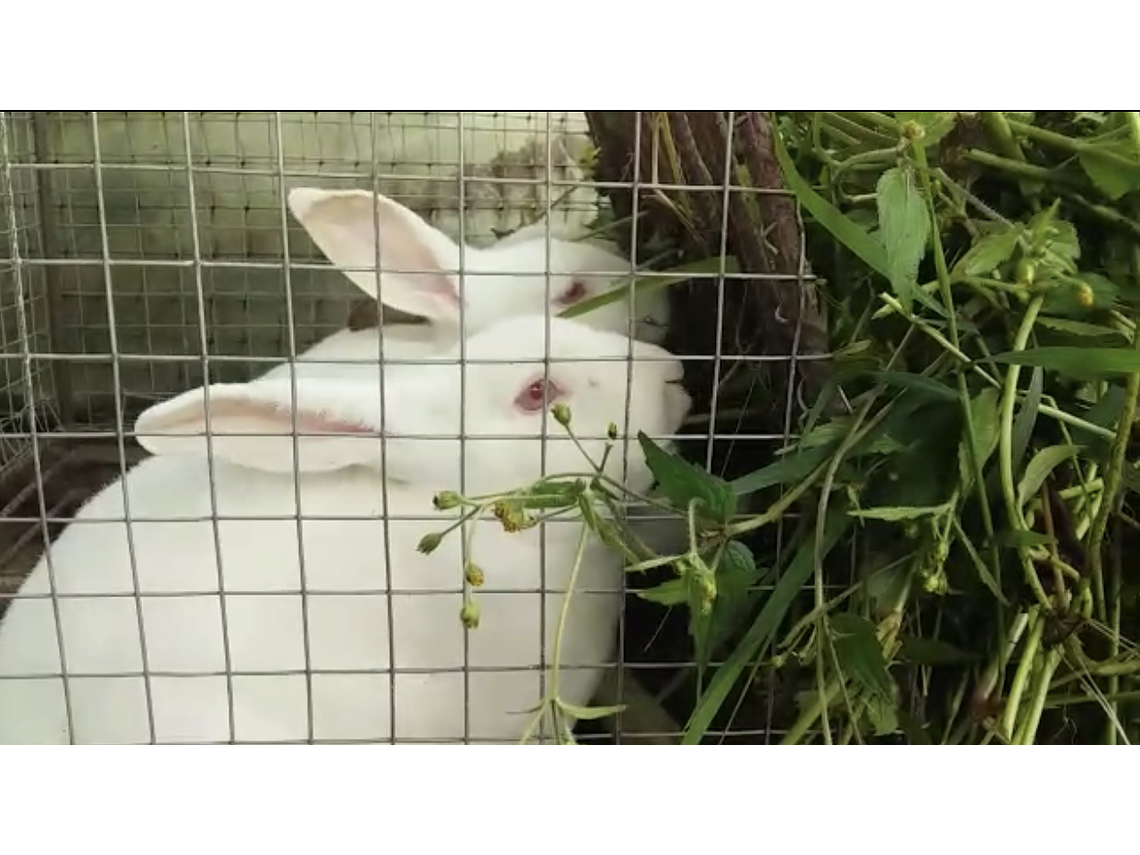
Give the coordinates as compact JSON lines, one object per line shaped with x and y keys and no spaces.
{"x":574,"y":293}
{"x":537,"y":395}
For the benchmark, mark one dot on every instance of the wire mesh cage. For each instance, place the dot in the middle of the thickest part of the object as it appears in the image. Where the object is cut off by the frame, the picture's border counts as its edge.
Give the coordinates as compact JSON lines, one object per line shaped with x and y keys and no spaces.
{"x":149,"y":254}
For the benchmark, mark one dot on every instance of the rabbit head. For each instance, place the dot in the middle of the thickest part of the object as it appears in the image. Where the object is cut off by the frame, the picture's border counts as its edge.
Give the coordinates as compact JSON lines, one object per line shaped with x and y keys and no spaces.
{"x":507,"y":278}
{"x":496,"y":400}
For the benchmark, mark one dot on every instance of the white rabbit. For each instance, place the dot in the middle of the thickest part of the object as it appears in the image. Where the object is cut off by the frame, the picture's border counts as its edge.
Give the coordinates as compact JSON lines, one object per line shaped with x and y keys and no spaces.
{"x":349,"y":550}
{"x":507,"y":278}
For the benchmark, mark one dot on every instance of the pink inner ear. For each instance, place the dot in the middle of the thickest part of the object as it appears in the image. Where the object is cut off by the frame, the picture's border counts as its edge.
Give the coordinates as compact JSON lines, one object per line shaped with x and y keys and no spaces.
{"x":274,"y":419}
{"x":308,"y":422}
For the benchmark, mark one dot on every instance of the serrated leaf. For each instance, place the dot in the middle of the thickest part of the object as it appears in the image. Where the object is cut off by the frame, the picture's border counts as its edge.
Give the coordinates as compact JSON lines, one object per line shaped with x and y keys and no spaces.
{"x":1080,"y":296}
{"x":896,"y":514}
{"x":1079,"y":327}
{"x":860,"y":655}
{"x":985,"y":417}
{"x":905,"y":226}
{"x":1042,"y":463}
{"x":790,"y":468}
{"x":931,"y":651}
{"x":681,"y":482}
{"x":1076,"y":361}
{"x":841,"y":227}
{"x":989,"y":253}
{"x":1063,"y":243}
{"x":670,"y":593}
{"x":1110,"y":168}
{"x":736,"y":573}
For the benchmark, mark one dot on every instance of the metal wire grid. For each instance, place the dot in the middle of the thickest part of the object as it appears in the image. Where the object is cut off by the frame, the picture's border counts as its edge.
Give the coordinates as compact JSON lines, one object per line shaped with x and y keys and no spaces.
{"x":149,"y":231}
{"x":132,"y":215}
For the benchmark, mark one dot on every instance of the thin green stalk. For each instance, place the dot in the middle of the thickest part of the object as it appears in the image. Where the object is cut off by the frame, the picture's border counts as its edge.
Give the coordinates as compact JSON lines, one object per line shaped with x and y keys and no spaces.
{"x":1027,"y":732}
{"x":1113,"y":477}
{"x":1015,"y":167}
{"x":579,"y":553}
{"x":880,"y":120}
{"x":1068,"y":144}
{"x":999,"y":128}
{"x":1024,"y":669}
{"x":963,"y":392}
{"x":1005,"y":449}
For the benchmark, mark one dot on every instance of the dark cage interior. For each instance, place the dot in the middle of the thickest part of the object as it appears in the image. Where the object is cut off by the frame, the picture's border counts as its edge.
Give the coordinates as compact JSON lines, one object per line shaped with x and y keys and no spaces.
{"x":705,"y":186}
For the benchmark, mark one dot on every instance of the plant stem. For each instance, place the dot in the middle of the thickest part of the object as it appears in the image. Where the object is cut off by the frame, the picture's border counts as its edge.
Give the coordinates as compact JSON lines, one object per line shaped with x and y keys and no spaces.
{"x":999,"y":128}
{"x":1015,"y":167}
{"x":1024,"y":668}
{"x":1005,"y":450}
{"x":1027,"y":732}
{"x":564,"y":613}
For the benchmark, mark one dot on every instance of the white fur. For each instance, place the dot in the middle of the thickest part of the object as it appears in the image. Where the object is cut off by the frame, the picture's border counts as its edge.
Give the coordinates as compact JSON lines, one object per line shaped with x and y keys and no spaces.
{"x":507,"y":278}
{"x":346,"y":557}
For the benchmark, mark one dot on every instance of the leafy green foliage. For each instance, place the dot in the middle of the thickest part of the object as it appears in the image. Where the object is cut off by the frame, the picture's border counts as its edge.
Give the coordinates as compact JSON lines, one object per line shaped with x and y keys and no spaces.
{"x":685,"y":484}
{"x":904,"y":227}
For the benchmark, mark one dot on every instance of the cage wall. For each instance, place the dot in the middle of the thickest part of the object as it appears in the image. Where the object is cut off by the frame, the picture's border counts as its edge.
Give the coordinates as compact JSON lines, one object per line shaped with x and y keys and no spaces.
{"x":175,"y":215}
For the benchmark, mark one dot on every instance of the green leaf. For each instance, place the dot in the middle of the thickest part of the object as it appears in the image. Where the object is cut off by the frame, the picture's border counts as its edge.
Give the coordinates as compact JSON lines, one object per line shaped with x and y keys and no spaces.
{"x":883,"y":715}
{"x":792,"y":467}
{"x":905,"y":226}
{"x":916,"y":382}
{"x":1104,"y":413}
{"x":759,"y":635}
{"x":670,"y":593}
{"x":681,"y":482}
{"x":913,"y":729}
{"x":1079,"y":327}
{"x":1043,"y":462}
{"x":736,"y":575}
{"x":896,"y":514}
{"x":1077,"y":361}
{"x":984,"y":574}
{"x":842,"y":228}
{"x":589,"y":713}
{"x":1111,"y":169}
{"x":1026,"y":418}
{"x":1023,"y":539}
{"x":1089,"y":292}
{"x":645,"y":284}
{"x":861,"y":655}
{"x":989,"y":253}
{"x":985,"y":418}
{"x":931,"y":651}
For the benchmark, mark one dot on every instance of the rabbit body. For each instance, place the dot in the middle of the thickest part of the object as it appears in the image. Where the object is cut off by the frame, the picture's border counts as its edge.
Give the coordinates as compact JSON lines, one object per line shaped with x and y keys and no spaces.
{"x":346,"y":611}
{"x":350,"y":549}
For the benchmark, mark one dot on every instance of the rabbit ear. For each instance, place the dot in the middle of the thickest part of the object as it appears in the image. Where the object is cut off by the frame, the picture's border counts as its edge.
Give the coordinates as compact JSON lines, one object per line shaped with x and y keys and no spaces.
{"x":344,"y":225}
{"x":262,"y":414}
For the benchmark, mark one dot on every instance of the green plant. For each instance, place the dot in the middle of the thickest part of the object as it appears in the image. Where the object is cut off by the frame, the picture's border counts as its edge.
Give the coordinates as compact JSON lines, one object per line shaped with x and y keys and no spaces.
{"x":982,"y":272}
